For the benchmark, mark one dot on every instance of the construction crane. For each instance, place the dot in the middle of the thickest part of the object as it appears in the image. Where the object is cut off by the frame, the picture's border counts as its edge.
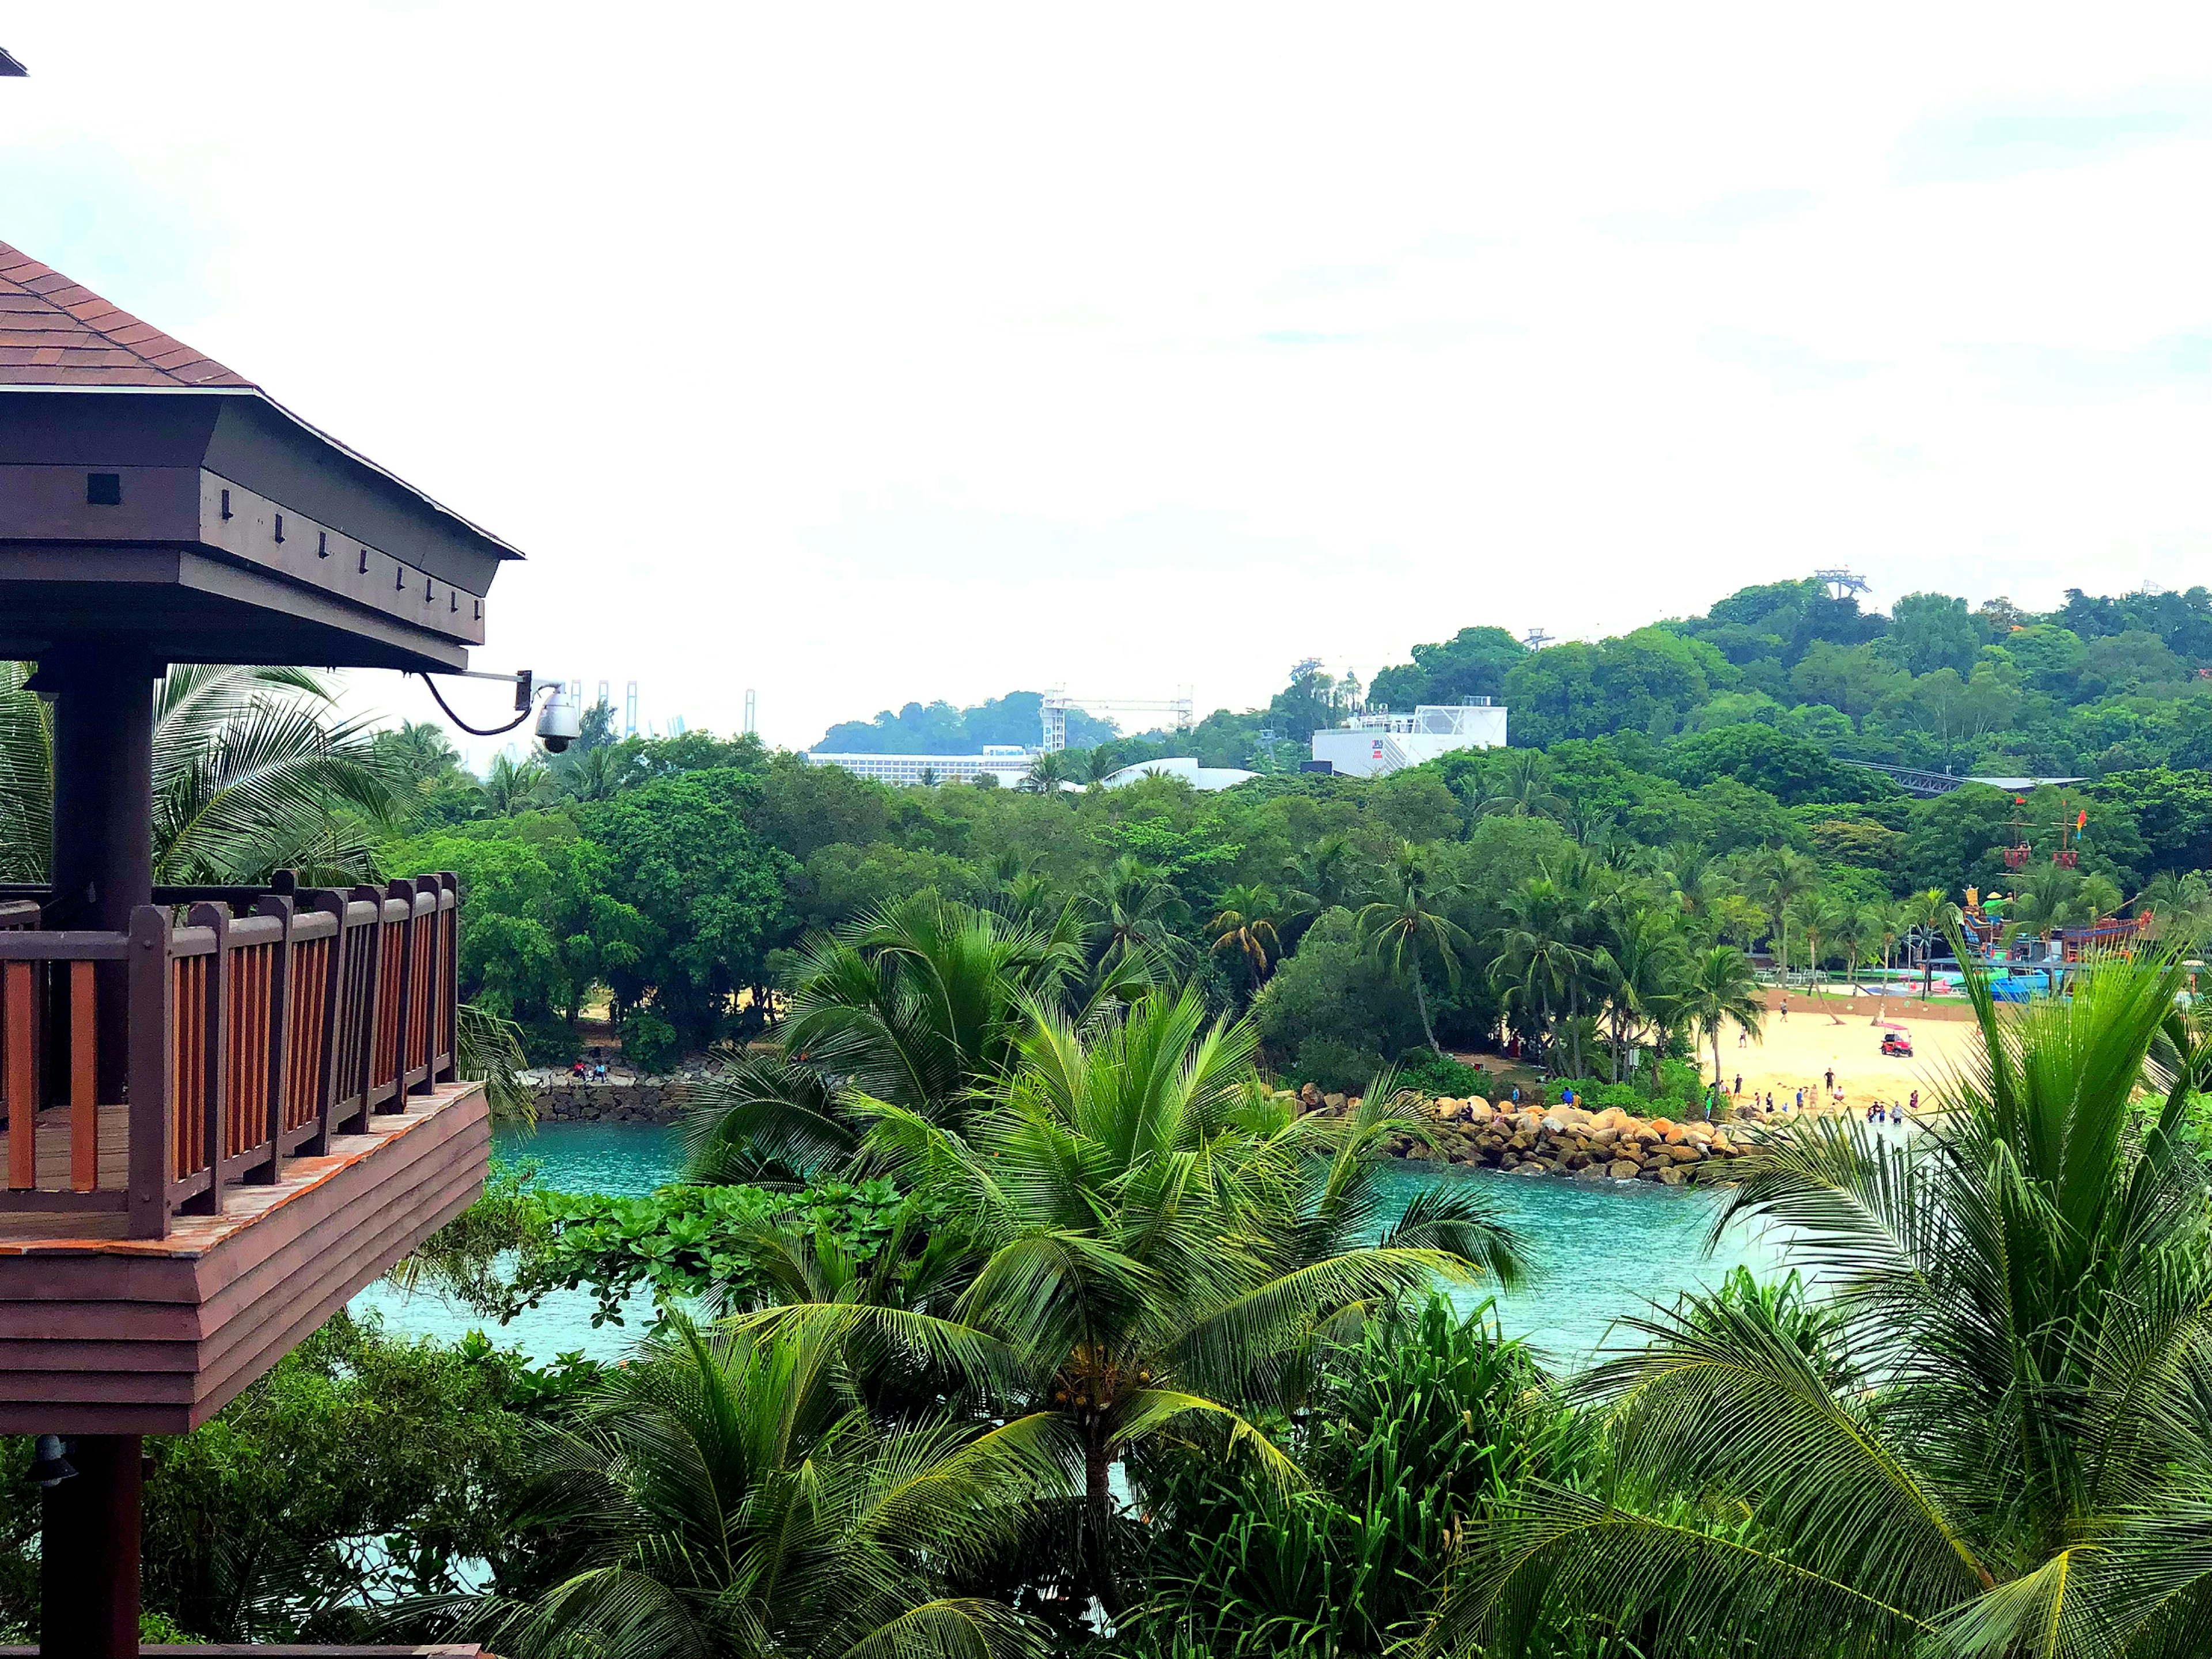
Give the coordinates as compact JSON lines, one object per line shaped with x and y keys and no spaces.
{"x":1536,"y":639}
{"x":1847,"y":584}
{"x":1057,"y":702}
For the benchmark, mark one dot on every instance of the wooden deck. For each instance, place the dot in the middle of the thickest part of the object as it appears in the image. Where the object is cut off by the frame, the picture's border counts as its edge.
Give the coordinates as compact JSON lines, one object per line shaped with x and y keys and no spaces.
{"x":103,"y":1333}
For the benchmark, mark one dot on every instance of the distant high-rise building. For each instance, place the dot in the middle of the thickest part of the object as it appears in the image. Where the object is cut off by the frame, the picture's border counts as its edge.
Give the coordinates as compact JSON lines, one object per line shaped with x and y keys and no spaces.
{"x":629,"y":710}
{"x":752,"y":725}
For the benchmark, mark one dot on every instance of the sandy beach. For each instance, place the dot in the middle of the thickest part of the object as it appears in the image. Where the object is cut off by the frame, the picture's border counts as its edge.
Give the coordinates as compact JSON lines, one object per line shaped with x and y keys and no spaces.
{"x":1801,"y":1050}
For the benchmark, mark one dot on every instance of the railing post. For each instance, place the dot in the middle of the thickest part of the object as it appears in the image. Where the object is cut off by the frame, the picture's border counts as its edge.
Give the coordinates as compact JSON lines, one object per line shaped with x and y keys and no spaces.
{"x":431,"y":944}
{"x":280,"y":1035}
{"x":404,"y":891}
{"x":153,"y":1156}
{"x":450,"y":922}
{"x":217,"y":918}
{"x":373,"y":1005}
{"x":326,"y":1054}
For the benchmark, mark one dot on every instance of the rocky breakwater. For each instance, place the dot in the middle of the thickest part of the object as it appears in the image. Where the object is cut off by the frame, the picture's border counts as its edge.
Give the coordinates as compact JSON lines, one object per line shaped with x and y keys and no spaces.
{"x":1610,"y":1144}
{"x":563,"y":1099}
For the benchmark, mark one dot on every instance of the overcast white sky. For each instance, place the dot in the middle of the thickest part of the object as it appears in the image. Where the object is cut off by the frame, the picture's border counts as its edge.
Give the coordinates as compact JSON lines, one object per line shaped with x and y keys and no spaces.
{"x":866,"y":354}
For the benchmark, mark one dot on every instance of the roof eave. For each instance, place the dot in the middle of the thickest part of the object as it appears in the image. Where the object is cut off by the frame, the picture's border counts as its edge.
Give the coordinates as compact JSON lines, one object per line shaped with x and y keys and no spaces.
{"x":500,"y":546}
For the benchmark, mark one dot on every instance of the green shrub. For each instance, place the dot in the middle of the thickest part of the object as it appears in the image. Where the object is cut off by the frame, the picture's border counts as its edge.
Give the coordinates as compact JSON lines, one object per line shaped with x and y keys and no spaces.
{"x":649,"y":1043}
{"x":1441,"y":1075}
{"x":1335,"y":1067}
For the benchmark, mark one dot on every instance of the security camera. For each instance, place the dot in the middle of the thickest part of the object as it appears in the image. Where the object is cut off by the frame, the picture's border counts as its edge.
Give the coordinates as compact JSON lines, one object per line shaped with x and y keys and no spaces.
{"x":559,"y":723}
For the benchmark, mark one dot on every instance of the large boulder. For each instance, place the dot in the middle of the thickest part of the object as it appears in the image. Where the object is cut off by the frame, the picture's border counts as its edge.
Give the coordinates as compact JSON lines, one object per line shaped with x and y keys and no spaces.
{"x":1675,"y":1175}
{"x":1684,"y":1154}
{"x":1622,"y":1169}
{"x":1592,"y":1172}
{"x":1534,"y":1166}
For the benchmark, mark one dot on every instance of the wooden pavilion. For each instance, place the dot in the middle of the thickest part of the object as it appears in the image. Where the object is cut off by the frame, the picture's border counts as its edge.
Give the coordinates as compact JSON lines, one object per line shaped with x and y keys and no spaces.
{"x":225,"y":1109}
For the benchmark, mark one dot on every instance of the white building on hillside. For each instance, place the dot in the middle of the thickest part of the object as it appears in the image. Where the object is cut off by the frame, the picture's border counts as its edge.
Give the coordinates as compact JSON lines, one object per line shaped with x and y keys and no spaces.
{"x":1204,"y":779}
{"x":1008,"y":762}
{"x":1370,"y":745}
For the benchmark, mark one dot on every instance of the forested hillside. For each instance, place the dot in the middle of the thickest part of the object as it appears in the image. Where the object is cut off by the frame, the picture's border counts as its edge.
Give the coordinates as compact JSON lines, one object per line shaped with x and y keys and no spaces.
{"x":1688,"y":787}
{"x":2098,"y":686}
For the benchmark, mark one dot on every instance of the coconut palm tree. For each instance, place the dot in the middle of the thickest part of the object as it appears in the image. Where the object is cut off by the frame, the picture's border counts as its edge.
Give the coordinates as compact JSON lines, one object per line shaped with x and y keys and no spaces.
{"x":1537,"y":955}
{"x":1524,"y":785}
{"x":1780,"y":880}
{"x":514,"y":786}
{"x":2178,"y":904}
{"x":1160,"y":1242}
{"x":916,"y":1003}
{"x":26,"y":778}
{"x":596,"y":775}
{"x":2003,"y":1447}
{"x":1048,"y":769}
{"x":1817,"y":916}
{"x":1638,"y":963}
{"x":253,"y":772}
{"x":1098,"y":763}
{"x":1135,"y":908}
{"x":1243,"y":927}
{"x":1930,"y":910}
{"x":1721,"y":986}
{"x":1406,"y":923}
{"x":734,"y":1496}
{"x":1324,"y":876}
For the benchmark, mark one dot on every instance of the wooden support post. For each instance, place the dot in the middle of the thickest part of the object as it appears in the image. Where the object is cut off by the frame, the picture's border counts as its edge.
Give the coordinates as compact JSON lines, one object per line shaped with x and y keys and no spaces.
{"x":88,"y":1551}
{"x":103,"y":861}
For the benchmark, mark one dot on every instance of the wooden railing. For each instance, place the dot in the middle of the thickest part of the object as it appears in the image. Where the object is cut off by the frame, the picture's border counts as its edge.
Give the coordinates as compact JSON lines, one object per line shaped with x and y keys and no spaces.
{"x":258,"y":1025}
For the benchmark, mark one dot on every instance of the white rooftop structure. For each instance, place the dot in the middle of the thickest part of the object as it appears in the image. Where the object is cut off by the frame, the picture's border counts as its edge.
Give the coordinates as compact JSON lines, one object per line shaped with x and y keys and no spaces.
{"x":1205,"y":778}
{"x":1373,"y":745}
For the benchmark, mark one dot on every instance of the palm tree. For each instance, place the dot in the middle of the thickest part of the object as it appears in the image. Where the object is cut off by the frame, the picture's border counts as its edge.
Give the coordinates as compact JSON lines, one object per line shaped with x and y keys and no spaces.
{"x":26,"y":778}
{"x":1399,"y":927}
{"x":1931,"y":911}
{"x":1243,"y":926}
{"x":1135,"y":908}
{"x":595,"y":774}
{"x":735,"y":1496}
{"x":1321,"y":878}
{"x":1048,"y":769}
{"x":1525,"y":785}
{"x":917,"y":1002}
{"x":2178,"y":904}
{"x":1160,"y":1242}
{"x":2003,"y":1444}
{"x":1856,"y":928}
{"x":1780,"y":879}
{"x":1721,"y":987}
{"x":1817,"y":916}
{"x":253,"y":772}
{"x":1638,"y":964}
{"x":1536,"y":955}
{"x":1099,"y":764}
{"x":514,"y":786}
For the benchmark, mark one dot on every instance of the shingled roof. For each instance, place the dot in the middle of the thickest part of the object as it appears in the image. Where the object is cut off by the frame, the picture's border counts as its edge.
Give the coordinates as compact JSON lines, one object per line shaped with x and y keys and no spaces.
{"x":57,"y":332}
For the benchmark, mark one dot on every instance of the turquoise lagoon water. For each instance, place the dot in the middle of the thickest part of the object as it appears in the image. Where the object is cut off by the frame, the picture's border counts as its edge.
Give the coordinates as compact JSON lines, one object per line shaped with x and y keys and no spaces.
{"x":1599,"y":1250}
